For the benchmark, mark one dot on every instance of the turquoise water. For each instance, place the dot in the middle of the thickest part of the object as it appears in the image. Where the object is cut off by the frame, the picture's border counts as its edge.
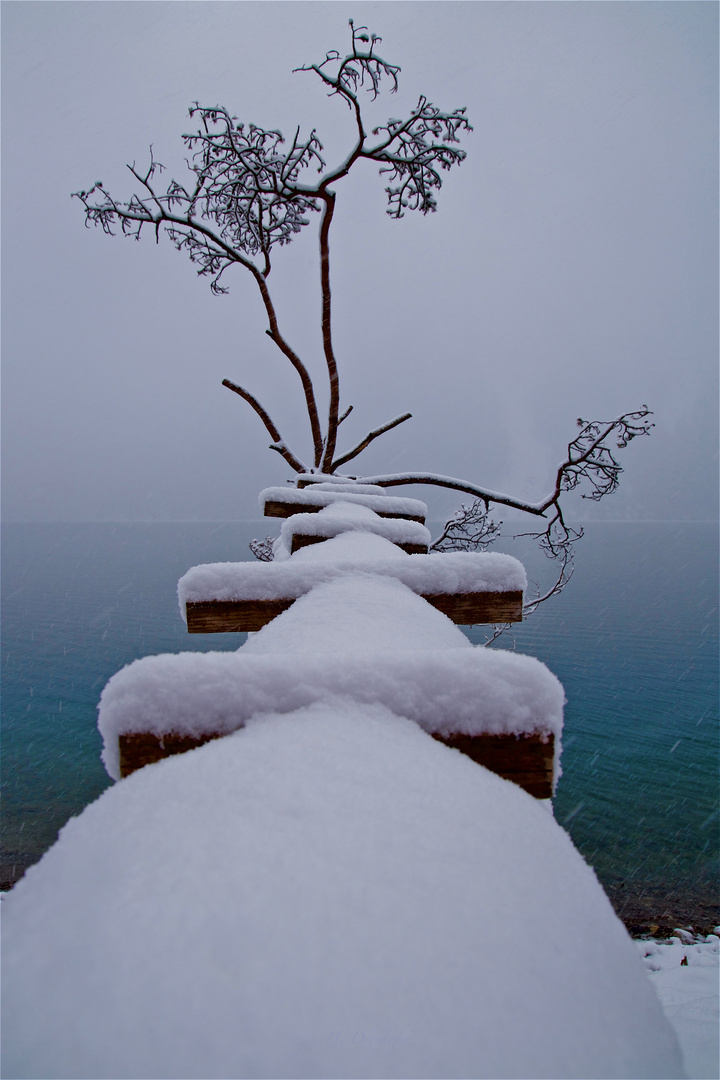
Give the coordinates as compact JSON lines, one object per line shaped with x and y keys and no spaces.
{"x":633,"y":640}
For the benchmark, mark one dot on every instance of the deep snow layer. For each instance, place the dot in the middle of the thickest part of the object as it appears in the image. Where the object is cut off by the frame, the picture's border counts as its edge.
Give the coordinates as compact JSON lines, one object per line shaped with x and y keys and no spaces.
{"x":355,"y":614}
{"x":326,"y":494}
{"x":352,"y":552}
{"x":364,"y":637}
{"x":327,"y":894}
{"x":462,"y":691}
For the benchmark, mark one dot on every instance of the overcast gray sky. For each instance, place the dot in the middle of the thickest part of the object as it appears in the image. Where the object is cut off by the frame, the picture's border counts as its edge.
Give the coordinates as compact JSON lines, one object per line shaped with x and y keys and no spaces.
{"x":571,"y":269}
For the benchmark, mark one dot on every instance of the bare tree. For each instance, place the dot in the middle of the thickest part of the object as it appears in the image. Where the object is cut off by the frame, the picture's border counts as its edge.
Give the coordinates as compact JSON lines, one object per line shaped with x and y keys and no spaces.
{"x":249,"y":191}
{"x":246,"y":195}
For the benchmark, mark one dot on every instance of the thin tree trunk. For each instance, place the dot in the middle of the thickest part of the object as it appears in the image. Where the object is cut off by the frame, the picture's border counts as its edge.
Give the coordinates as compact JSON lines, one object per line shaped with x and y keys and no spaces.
{"x":330,"y":442}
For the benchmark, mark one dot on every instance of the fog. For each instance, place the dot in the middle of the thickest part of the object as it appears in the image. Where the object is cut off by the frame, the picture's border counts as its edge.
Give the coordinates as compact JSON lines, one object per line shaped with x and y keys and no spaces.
{"x":570,"y":271}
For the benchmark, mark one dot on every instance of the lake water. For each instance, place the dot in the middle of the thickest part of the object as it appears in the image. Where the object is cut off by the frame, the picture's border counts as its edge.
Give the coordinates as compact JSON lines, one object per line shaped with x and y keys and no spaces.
{"x":633,"y":639}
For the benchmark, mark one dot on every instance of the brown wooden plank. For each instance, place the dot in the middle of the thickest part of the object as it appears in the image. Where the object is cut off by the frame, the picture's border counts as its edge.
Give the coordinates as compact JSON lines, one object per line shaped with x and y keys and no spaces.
{"x":236,"y":616}
{"x":275,"y":508}
{"x":467,"y":609}
{"x":300,"y":540}
{"x":141,"y":748}
{"x":232,"y":616}
{"x":403,"y":517}
{"x":524,"y":759}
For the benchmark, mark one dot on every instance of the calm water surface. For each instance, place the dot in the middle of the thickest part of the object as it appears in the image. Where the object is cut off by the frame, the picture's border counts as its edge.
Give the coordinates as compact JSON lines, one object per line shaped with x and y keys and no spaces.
{"x":633,"y":640}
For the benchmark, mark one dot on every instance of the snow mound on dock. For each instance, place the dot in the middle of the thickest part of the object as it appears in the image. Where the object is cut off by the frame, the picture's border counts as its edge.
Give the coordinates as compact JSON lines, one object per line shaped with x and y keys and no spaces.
{"x":352,"y":552}
{"x":362,"y":636}
{"x":450,"y":692}
{"x":340,"y":517}
{"x":326,"y":894}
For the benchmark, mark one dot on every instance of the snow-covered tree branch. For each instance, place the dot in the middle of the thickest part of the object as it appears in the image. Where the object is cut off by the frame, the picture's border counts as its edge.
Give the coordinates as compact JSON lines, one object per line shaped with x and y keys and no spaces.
{"x":250,"y":191}
{"x":590,"y":462}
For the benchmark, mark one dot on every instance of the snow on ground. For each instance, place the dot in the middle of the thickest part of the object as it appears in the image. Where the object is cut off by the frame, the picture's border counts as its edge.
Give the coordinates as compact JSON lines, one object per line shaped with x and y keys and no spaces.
{"x":327,"y":894}
{"x":685,"y":975}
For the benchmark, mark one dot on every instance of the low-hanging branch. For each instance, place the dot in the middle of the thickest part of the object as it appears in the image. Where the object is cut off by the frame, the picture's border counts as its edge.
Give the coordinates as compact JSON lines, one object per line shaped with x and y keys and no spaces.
{"x":454,"y":484}
{"x":589,"y":458}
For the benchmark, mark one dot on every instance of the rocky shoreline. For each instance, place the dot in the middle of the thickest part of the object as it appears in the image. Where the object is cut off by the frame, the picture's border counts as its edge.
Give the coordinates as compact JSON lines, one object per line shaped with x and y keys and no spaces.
{"x":654,"y":911}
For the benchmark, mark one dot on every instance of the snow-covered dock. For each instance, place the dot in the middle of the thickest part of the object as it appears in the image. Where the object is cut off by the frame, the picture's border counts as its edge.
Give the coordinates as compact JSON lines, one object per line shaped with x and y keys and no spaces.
{"x":468,"y":587}
{"x":285,"y":501}
{"x":327,"y":893}
{"x":324,"y":889}
{"x":362,"y":638}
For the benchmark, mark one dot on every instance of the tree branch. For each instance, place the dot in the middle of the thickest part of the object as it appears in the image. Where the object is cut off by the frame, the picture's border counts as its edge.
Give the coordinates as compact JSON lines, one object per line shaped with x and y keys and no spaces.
{"x":206,"y":247}
{"x":564,"y":575}
{"x":469,"y":529}
{"x":436,"y":480}
{"x":589,"y":460}
{"x":278,"y":442}
{"x":274,"y":334}
{"x":367,"y":440}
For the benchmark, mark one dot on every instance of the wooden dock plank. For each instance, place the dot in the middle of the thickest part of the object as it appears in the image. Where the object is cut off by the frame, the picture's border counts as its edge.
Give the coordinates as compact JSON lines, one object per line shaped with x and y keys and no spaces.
{"x":232,"y":616}
{"x":470,"y":609}
{"x":235,"y":616}
{"x":525,"y":760}
{"x":141,"y":748}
